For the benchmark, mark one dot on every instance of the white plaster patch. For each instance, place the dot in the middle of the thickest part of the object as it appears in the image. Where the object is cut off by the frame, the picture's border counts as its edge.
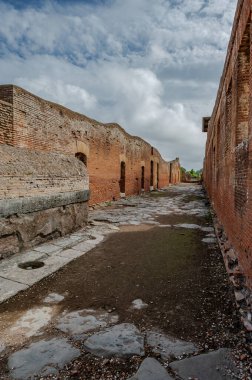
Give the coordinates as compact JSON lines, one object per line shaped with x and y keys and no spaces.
{"x":138,"y":304}
{"x":53,"y":298}
{"x":32,"y":321}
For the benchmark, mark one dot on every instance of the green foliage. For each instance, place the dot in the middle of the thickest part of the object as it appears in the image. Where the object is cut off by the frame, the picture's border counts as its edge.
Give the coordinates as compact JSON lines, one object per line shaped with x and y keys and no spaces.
{"x":196,"y":174}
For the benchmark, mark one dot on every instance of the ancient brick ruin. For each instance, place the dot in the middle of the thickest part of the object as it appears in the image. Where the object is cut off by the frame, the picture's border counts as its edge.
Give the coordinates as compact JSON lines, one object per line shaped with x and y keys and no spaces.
{"x":227,"y":167}
{"x":52,"y":159}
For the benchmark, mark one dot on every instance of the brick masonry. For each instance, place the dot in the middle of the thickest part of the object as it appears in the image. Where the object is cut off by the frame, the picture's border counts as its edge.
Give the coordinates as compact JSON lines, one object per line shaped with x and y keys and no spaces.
{"x":42,"y":145}
{"x":39,"y":125}
{"x":228,"y":156}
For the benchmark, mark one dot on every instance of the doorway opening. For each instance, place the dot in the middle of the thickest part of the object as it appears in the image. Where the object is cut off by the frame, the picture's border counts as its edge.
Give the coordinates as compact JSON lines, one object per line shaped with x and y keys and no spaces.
{"x":122,"y":179}
{"x":142,"y":178}
{"x":151,"y":175}
{"x":157,"y":176}
{"x":170,"y":173}
{"x":82,"y":157}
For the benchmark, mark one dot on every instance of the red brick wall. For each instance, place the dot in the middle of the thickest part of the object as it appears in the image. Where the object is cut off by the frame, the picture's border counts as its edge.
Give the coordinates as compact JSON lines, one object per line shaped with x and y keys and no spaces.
{"x":175,"y":175}
{"x":39,"y":125}
{"x":228,"y":158}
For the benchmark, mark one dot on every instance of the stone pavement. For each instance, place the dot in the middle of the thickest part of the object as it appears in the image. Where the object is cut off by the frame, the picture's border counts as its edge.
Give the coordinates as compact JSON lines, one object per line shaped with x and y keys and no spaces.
{"x":53,"y":256}
{"x":59,"y":252}
{"x":31,"y":352}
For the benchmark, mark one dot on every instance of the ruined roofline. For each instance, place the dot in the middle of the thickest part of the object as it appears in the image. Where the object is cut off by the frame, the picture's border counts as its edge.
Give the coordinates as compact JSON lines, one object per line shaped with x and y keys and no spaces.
{"x":175,"y":160}
{"x":238,"y":12}
{"x":53,"y":104}
{"x":77,"y":115}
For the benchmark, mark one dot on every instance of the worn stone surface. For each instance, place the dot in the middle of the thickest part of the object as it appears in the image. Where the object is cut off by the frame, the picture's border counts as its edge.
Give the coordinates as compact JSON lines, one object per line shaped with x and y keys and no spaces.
{"x":11,"y":271}
{"x":82,"y":321}
{"x":216,"y":365}
{"x":151,"y":369}
{"x":8,"y":245}
{"x":10,"y":288}
{"x":169,"y":347}
{"x":41,"y":358}
{"x":44,"y":202}
{"x":40,"y":226}
{"x":122,"y":340}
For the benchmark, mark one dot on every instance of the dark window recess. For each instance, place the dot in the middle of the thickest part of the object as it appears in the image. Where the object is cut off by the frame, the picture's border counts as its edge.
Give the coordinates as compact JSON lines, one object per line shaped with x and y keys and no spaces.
{"x":82,"y":157}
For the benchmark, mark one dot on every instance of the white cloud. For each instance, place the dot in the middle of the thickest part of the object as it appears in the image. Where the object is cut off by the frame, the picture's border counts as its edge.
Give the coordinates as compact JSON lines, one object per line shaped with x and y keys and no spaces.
{"x":154,"y":67}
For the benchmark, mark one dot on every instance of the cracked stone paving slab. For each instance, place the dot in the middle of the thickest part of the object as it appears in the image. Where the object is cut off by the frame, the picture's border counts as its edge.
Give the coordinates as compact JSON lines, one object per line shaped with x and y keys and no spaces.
{"x":122,"y":340}
{"x":169,"y":347}
{"x":216,"y":365}
{"x":151,"y":369}
{"x":10,"y":288}
{"x":41,"y":358}
{"x":82,"y":321}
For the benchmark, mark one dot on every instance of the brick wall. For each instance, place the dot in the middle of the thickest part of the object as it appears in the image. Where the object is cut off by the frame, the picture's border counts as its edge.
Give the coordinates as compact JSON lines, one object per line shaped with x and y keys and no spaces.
{"x":6,"y":122}
{"x":43,"y":183}
{"x":25,"y":173}
{"x":174,"y":171}
{"x":39,"y":125}
{"x":43,"y":195}
{"x":228,"y":157}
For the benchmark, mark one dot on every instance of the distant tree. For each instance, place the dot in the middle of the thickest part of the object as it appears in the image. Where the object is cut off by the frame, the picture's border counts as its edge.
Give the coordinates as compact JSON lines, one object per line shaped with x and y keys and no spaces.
{"x":188,"y":175}
{"x":193,"y":173}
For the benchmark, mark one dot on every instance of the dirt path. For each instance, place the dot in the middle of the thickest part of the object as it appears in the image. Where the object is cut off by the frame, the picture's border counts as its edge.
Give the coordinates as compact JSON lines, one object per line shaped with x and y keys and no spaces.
{"x":169,"y":262}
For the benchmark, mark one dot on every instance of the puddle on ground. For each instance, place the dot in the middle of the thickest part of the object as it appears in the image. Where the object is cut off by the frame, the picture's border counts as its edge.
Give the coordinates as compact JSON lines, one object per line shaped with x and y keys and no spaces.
{"x":140,"y":227}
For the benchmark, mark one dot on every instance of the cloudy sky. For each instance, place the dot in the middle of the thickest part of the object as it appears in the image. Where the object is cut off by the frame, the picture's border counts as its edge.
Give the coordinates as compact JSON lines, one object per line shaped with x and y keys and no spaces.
{"x":152,"y":66}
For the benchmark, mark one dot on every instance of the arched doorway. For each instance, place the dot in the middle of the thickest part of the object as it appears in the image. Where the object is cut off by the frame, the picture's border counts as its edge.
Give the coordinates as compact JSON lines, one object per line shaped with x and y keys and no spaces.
{"x":82,"y":157}
{"x":122,"y":179}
